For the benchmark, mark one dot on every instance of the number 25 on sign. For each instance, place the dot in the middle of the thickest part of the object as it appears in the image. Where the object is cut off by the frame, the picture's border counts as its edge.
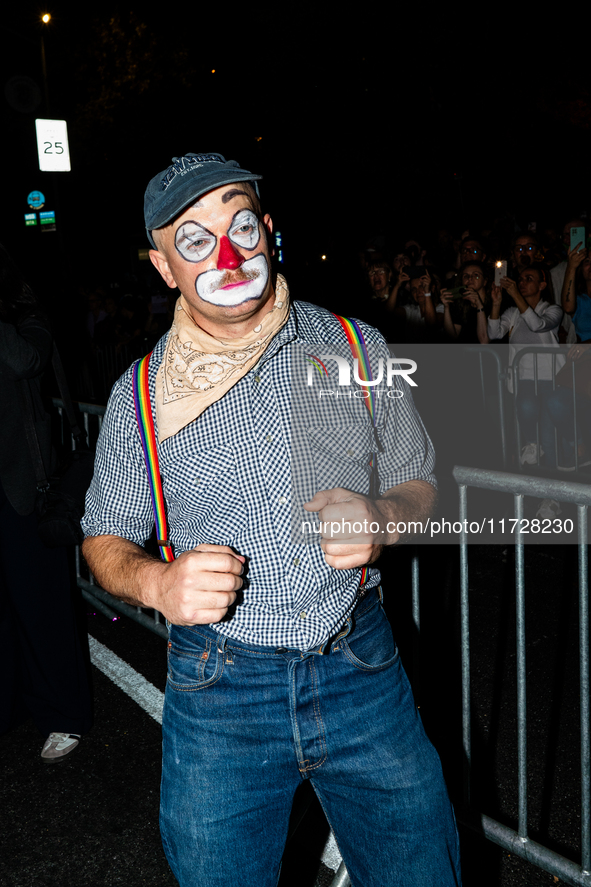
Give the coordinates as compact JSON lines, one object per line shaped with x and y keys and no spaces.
{"x":52,"y":145}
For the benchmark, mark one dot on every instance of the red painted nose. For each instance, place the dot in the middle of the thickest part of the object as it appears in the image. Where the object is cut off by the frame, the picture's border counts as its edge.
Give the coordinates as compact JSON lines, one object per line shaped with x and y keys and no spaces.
{"x":228,"y":257}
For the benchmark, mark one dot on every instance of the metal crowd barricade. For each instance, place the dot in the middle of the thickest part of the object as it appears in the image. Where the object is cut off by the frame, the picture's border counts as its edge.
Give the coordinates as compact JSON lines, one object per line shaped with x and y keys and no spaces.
{"x":510,"y":370}
{"x":500,"y":378}
{"x":104,"y":602}
{"x":518,"y":841}
{"x":553,"y":352}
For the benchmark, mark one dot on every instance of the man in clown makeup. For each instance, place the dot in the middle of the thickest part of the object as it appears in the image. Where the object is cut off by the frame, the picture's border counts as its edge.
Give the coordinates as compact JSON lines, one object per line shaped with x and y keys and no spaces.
{"x":281,"y":663}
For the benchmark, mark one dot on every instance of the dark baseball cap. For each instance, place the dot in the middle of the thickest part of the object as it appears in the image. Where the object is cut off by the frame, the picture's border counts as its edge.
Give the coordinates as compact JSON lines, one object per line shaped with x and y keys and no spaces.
{"x":186,"y":179}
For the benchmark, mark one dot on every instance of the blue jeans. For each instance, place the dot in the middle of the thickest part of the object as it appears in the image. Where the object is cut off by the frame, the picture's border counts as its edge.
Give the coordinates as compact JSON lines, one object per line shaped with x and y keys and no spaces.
{"x":550,"y":409}
{"x":244,"y":725}
{"x":532,"y":410}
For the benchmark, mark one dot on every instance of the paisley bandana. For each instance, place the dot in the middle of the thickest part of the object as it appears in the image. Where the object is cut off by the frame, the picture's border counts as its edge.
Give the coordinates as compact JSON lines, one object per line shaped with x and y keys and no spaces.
{"x":198,"y":369}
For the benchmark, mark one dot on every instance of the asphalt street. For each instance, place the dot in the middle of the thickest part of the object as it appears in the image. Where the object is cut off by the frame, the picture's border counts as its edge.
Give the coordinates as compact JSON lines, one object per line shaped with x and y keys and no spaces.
{"x":93,"y":819}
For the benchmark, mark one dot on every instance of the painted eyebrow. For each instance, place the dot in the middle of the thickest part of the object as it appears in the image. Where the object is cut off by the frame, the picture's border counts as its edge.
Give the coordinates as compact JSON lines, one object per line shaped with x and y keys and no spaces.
{"x":233,"y":193}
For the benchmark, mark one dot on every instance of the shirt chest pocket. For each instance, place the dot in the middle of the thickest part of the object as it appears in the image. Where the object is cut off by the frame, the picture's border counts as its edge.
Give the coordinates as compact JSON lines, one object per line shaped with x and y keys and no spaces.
{"x":342,"y":456}
{"x":206,"y":498}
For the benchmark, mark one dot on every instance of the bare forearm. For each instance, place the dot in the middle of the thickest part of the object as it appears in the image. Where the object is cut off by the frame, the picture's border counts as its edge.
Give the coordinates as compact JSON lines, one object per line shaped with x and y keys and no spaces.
{"x":409,"y":503}
{"x":430,"y":313}
{"x":122,"y":568}
{"x":482,"y":327}
{"x":569,"y":298}
{"x":196,"y":588}
{"x":391,"y":300}
{"x":448,"y":324}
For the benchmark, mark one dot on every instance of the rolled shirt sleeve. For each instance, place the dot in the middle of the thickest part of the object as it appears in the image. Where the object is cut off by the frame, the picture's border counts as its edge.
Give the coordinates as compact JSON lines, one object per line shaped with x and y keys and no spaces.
{"x":501,"y":326}
{"x":118,"y":501}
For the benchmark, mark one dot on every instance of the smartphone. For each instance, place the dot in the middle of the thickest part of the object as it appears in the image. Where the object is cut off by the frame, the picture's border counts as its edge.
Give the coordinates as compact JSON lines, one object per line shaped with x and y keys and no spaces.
{"x":577,"y":235}
{"x":458,"y":292}
{"x":415,"y":271}
{"x":500,"y":271}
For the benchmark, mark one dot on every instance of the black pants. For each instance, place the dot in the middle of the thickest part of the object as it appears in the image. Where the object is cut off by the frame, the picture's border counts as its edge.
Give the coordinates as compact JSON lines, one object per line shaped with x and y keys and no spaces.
{"x":43,"y":669}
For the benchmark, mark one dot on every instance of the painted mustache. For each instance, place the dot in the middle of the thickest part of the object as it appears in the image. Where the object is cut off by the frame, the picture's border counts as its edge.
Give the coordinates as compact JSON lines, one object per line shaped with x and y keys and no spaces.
{"x":245,"y":283}
{"x":228,"y":278}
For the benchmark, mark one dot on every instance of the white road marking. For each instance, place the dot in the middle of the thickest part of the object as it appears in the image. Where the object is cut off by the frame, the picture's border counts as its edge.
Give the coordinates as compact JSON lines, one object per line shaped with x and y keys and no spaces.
{"x":330,"y":855}
{"x":149,"y":697}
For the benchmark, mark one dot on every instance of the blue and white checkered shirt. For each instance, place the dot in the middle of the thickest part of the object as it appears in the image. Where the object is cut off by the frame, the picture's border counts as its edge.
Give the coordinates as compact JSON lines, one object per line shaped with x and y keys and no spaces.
{"x":228,"y":479}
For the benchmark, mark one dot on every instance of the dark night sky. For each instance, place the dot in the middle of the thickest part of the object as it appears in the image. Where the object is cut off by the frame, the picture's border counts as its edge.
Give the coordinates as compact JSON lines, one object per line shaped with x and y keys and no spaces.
{"x":370,"y":124}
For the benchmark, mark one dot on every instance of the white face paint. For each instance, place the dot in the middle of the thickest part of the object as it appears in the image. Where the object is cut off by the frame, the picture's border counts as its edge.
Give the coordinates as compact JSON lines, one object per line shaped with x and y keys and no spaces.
{"x":248,"y":282}
{"x":194,"y":242}
{"x":244,"y":230}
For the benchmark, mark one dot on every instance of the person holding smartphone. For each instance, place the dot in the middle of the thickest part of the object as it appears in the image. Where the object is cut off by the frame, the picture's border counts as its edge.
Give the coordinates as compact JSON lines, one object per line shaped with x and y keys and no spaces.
{"x":532,"y":321}
{"x":420,"y":316}
{"x":465,"y":314}
{"x":576,"y":291}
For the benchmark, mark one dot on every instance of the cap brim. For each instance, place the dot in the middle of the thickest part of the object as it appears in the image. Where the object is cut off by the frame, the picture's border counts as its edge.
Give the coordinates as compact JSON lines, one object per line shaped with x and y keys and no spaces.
{"x":190,"y":190}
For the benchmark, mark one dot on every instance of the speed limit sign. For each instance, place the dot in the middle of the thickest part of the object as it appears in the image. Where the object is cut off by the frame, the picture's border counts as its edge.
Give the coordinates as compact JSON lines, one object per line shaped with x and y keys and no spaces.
{"x":52,"y":145}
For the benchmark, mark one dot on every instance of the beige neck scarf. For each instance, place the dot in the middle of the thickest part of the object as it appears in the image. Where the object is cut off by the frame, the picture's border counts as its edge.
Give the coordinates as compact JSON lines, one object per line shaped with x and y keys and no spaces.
{"x":198,"y":369}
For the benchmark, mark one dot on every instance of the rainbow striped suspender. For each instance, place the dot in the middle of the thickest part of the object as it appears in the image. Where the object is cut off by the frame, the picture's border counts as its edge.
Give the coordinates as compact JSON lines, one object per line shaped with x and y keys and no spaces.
{"x":145,"y":421}
{"x":359,"y":351}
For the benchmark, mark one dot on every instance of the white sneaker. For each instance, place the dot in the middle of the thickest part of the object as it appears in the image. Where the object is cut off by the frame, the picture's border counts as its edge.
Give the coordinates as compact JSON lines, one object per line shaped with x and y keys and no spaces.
{"x":529,"y":454}
{"x":57,"y":746}
{"x":549,"y":509}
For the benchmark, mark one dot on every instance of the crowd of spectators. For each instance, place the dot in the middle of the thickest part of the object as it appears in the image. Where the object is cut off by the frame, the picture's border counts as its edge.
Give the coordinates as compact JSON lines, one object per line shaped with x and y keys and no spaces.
{"x":528,"y":290}
{"x":445,"y":293}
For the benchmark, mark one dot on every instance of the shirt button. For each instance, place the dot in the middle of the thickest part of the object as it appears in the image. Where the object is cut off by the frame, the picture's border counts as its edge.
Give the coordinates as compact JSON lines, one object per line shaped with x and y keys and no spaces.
{"x":257,"y":378}
{"x":269,"y":438}
{"x":303,"y":614}
{"x":282,"y":500}
{"x":350,"y":452}
{"x":296,"y":561}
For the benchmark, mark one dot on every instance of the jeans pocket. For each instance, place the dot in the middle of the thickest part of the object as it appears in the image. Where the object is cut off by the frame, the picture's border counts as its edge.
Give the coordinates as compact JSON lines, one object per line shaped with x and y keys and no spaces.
{"x":194,"y":661}
{"x":370,"y":646}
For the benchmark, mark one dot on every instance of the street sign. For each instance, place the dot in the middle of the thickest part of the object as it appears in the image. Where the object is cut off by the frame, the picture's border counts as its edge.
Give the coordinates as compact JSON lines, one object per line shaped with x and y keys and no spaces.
{"x":47,"y":220}
{"x":52,"y":145}
{"x":36,"y":200}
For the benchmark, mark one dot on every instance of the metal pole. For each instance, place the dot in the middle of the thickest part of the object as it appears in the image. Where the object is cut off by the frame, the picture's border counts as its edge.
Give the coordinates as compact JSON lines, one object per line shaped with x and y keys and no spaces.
{"x":465,"y":644}
{"x":416,"y":618}
{"x":584,"y":688}
{"x":501,"y":392}
{"x":568,"y":871}
{"x":119,"y":606}
{"x":575,"y":419}
{"x":98,"y":605}
{"x":45,"y":81}
{"x":341,"y":879}
{"x":521,"y":689}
